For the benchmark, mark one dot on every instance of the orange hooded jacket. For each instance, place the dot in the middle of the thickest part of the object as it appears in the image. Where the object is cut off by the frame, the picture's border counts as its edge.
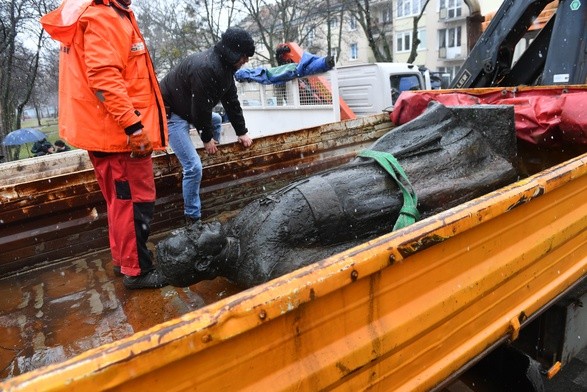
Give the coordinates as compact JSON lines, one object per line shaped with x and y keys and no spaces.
{"x":106,"y":78}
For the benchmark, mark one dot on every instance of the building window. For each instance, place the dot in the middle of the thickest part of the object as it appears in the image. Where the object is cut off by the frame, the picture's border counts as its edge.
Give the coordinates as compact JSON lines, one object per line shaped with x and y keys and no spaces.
{"x":353,"y":52}
{"x":353,"y":23}
{"x":408,"y":8}
{"x":454,"y":8}
{"x":403,"y":41}
{"x":333,"y":23}
{"x":386,"y":15}
{"x":422,"y":38}
{"x":441,"y":38}
{"x":334,"y":53}
{"x":449,"y":38}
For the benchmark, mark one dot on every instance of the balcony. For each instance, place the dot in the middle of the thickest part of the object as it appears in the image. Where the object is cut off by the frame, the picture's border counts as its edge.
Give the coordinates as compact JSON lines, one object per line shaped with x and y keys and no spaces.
{"x":446,"y":15}
{"x":457,"y":53}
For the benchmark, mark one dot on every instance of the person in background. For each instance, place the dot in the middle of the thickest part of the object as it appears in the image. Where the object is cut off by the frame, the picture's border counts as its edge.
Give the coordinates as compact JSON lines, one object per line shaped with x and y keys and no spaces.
{"x":216,"y":126}
{"x":60,"y":146}
{"x":190,"y":91}
{"x":115,"y":112}
{"x":218,"y":118}
{"x":42,"y":147}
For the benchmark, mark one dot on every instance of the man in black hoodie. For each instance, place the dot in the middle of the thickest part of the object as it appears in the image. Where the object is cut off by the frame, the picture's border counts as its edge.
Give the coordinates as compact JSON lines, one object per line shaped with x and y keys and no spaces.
{"x":190,"y":91}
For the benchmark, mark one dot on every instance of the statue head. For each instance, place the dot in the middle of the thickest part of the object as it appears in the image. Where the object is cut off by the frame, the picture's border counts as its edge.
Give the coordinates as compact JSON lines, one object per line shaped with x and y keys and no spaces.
{"x":191,"y":254}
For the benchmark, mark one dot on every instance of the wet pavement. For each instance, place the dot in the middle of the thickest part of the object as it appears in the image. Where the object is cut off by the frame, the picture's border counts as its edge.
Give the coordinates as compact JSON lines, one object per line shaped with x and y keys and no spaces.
{"x":54,"y":313}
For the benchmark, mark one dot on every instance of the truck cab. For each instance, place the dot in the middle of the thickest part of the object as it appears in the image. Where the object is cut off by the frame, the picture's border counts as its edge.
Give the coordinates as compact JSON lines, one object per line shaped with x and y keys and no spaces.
{"x":374,"y":88}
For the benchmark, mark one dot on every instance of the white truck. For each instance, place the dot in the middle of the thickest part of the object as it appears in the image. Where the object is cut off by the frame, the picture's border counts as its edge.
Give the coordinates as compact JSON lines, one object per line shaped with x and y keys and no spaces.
{"x":373,"y":88}
{"x":359,"y":90}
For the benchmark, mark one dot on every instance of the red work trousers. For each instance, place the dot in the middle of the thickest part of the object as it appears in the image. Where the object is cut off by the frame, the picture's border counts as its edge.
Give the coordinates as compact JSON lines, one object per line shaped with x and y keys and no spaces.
{"x":128,"y":185}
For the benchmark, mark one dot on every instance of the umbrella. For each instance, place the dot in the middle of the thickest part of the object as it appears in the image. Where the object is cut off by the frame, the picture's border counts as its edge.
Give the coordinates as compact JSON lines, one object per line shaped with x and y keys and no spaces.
{"x":22,"y":136}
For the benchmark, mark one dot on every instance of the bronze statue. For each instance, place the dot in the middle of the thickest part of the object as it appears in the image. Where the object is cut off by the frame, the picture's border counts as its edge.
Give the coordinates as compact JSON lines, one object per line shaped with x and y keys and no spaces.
{"x":450,"y":155}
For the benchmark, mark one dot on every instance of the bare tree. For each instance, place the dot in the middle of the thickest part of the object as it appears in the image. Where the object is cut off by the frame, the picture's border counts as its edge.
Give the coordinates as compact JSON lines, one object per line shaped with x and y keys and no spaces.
{"x":168,"y":31}
{"x":275,"y":22}
{"x":216,"y":16}
{"x":377,"y":31}
{"x":173,"y":30}
{"x":10,"y":17}
{"x":21,"y":40}
{"x":24,"y":73}
{"x":333,"y":17}
{"x":415,"y":39}
{"x":44,"y":98}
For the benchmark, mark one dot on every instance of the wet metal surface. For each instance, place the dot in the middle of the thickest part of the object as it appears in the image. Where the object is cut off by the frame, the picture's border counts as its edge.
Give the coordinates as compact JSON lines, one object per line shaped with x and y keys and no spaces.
{"x":51,"y":314}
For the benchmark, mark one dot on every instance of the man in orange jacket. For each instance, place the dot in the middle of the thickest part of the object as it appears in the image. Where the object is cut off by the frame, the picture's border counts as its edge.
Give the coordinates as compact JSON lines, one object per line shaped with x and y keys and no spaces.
{"x":111,"y":106}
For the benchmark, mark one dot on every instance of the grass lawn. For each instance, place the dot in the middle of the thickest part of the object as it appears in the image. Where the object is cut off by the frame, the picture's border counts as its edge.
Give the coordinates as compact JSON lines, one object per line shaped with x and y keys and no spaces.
{"x":48,"y":127}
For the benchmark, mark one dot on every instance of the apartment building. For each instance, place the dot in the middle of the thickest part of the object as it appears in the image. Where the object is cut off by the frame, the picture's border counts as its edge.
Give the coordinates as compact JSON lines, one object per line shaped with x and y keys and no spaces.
{"x":442,"y":31}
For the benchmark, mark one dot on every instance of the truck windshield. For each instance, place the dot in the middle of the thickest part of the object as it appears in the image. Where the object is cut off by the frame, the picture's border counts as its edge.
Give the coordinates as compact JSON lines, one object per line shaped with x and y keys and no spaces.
{"x":401,"y":83}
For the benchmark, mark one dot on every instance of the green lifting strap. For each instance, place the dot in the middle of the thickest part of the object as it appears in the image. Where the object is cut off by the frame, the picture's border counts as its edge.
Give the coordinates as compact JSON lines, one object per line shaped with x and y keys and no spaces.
{"x":409,"y":211}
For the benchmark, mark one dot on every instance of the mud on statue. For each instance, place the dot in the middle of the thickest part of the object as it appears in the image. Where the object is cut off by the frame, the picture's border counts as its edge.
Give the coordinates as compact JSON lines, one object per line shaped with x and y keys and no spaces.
{"x":446,"y":156}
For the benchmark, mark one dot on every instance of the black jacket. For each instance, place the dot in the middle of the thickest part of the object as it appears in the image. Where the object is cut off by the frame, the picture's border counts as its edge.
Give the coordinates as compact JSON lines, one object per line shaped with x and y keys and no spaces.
{"x":193,"y":87}
{"x":41,"y":147}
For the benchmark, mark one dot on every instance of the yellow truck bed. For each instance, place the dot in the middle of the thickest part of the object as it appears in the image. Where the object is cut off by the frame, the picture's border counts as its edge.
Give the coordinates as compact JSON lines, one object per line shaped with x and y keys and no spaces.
{"x":404,"y":312}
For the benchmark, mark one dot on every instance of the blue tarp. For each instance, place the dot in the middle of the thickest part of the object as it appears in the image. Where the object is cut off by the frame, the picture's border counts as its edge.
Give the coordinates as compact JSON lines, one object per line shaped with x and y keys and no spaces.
{"x":309,"y":65}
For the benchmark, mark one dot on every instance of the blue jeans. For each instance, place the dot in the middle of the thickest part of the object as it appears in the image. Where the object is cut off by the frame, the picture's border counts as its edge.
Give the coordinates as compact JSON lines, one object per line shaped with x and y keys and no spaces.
{"x":217,"y":125}
{"x":184,"y":149}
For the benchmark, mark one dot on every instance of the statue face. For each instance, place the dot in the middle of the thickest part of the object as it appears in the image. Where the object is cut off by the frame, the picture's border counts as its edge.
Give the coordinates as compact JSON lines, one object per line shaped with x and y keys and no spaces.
{"x":208,"y":237}
{"x":188,"y":255}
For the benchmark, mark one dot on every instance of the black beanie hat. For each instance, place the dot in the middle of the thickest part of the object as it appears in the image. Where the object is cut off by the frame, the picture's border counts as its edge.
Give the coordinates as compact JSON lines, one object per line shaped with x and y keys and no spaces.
{"x":235,"y":43}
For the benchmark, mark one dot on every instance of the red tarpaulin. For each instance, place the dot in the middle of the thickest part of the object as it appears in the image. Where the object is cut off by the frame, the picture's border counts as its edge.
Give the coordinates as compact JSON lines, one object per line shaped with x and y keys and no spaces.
{"x":543,"y":115}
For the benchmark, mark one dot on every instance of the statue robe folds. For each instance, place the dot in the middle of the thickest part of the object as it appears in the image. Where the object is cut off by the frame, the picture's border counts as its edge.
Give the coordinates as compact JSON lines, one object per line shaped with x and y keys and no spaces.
{"x":450,"y":156}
